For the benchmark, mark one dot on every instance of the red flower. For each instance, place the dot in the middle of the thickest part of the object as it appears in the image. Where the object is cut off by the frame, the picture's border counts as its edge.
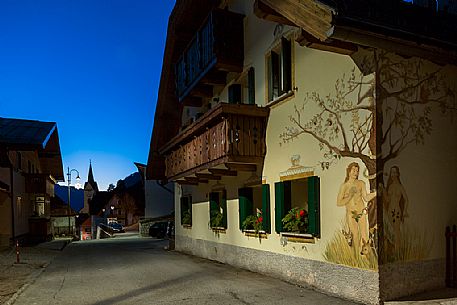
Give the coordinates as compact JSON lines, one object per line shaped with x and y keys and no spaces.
{"x":260,"y":219}
{"x":302,"y":213}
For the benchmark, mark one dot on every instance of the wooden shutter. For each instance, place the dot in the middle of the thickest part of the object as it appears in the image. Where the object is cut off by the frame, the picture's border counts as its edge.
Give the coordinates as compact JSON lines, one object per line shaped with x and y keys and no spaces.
{"x":282,"y":202}
{"x":286,"y":66}
{"x":273,"y":77}
{"x":314,"y":224}
{"x":266,"y":208}
{"x":234,"y":94}
{"x":224,"y":208}
{"x":245,"y":207}
{"x":182,"y":199}
{"x":251,"y":86}
{"x":279,"y":205}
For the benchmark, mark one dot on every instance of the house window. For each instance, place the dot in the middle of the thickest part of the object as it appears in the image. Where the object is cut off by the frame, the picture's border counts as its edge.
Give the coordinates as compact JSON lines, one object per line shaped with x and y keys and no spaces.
{"x":243,"y":92}
{"x":186,"y":210}
{"x":254,"y":208}
{"x":279,"y":62}
{"x":39,"y":206}
{"x":297,"y":206}
{"x":218,"y":209}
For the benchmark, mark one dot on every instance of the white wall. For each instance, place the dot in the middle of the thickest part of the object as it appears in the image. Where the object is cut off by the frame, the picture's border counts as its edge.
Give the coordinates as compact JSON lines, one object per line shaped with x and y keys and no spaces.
{"x":158,"y":199}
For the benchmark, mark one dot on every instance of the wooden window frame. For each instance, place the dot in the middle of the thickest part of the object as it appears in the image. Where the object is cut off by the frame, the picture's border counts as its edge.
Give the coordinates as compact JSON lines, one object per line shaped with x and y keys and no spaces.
{"x":246,"y":206}
{"x":186,"y":203}
{"x":218,"y":201}
{"x":279,"y":70}
{"x":283,"y":198}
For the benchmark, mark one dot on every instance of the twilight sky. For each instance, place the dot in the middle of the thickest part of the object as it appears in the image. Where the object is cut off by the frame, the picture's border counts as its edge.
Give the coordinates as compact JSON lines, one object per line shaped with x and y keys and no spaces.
{"x":92,"y":66}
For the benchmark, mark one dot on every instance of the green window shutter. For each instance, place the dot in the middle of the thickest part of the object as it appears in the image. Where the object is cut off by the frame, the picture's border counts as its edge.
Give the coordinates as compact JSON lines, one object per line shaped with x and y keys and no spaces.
{"x":224,"y":208}
{"x":286,"y":65}
{"x":234,"y":94}
{"x":314,"y":206}
{"x":279,"y":205}
{"x":266,"y":208}
{"x":273,"y":77}
{"x":245,"y":204}
{"x":182,"y":199}
{"x":251,"y":86}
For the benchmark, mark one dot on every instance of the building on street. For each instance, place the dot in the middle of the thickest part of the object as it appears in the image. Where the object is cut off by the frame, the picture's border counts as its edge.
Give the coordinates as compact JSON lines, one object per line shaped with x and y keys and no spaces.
{"x":30,"y":166}
{"x":312,"y":140}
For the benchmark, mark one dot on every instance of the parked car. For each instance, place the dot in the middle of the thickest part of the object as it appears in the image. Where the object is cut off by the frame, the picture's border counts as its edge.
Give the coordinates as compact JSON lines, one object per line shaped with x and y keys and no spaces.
{"x":158,"y":229}
{"x":117,"y":227}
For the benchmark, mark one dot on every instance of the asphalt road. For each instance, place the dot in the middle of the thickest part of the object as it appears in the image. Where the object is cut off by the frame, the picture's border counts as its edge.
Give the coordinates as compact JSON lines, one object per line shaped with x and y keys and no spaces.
{"x":131,"y":270}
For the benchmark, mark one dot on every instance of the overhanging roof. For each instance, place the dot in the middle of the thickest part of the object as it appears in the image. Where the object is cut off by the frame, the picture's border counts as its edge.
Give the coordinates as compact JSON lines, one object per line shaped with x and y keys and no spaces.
{"x":29,"y":135}
{"x":394,"y":25}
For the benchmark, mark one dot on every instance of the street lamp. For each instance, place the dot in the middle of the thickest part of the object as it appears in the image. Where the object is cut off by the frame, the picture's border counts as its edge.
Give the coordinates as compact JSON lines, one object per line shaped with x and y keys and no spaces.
{"x":69,"y":197}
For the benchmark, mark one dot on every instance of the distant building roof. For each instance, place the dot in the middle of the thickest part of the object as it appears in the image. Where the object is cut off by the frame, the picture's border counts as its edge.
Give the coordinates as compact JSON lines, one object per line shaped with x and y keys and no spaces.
{"x":26,"y":135}
{"x":90,"y":179}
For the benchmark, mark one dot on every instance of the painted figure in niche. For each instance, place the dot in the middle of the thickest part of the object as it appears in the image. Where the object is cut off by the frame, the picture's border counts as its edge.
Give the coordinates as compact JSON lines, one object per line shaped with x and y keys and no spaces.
{"x":395,"y":203}
{"x":353,"y":195}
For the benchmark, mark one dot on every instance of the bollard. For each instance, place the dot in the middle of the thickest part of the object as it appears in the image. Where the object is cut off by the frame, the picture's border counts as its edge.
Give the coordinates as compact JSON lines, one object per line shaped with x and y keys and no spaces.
{"x":17,"y":252}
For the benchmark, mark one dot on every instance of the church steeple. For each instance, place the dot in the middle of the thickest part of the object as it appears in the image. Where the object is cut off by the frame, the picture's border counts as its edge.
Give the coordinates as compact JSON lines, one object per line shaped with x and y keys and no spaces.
{"x":90,"y":177}
{"x":90,"y":189}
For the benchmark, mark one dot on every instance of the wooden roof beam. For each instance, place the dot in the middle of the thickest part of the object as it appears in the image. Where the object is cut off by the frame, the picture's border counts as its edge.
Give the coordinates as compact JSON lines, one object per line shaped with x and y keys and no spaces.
{"x":312,"y":16}
{"x":332,"y":45}
{"x":222,"y":172}
{"x":265,"y":12}
{"x":207,"y":176}
{"x":185,"y":182}
{"x":241,"y":167}
{"x":196,"y":180}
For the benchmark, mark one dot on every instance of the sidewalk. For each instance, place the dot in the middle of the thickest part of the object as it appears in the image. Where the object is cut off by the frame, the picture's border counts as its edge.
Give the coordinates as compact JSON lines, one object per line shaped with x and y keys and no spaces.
{"x":15,"y":277}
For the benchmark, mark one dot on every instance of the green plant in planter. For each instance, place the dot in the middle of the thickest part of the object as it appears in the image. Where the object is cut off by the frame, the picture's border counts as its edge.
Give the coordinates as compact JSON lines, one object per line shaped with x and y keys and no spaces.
{"x":186,"y":218}
{"x":216,"y":219}
{"x":296,"y":221}
{"x":253,"y":222}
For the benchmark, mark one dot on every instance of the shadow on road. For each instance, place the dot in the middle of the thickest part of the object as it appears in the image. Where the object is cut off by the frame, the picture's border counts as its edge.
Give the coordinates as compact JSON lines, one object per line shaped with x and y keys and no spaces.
{"x":150,"y":288}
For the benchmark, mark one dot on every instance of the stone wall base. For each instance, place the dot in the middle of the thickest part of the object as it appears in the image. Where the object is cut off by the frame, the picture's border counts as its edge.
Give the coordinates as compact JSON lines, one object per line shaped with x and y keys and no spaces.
{"x":144,"y":226}
{"x":408,"y":278}
{"x":350,"y":283}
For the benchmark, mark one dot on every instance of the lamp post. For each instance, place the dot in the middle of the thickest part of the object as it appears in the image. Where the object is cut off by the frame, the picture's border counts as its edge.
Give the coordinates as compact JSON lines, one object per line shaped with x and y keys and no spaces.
{"x":69,"y":197}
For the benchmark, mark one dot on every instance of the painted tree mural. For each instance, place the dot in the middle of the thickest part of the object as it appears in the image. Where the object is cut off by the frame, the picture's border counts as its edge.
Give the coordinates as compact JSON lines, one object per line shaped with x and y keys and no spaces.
{"x":394,"y":95}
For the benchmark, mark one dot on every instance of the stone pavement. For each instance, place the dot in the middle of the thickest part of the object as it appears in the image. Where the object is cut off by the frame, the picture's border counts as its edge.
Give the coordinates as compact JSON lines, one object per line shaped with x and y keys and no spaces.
{"x":128,"y":269}
{"x":14,"y":277}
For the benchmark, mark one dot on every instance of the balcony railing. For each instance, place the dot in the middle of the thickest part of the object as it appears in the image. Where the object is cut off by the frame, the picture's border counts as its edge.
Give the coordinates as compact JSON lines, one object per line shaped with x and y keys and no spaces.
{"x":218,"y":44}
{"x":39,"y":184}
{"x":229,"y":133}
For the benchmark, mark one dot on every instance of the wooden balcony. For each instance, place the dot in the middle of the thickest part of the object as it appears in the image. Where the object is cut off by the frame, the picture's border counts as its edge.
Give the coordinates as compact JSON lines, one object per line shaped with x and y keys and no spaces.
{"x":216,"y":49}
{"x":227,"y":138}
{"x":39,"y":184}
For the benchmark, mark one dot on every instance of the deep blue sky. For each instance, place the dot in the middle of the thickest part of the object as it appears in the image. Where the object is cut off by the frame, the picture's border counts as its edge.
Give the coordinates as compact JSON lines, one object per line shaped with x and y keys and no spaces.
{"x":92,"y":66}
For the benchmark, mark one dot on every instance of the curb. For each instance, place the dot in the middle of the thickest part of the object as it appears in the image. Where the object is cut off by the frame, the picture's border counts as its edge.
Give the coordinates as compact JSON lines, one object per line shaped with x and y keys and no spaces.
{"x":30,"y":280}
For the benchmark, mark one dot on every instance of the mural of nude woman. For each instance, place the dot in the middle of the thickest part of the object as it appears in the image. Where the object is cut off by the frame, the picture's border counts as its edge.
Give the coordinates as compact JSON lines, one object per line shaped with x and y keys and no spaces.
{"x":395,"y":203}
{"x":353,"y":195}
